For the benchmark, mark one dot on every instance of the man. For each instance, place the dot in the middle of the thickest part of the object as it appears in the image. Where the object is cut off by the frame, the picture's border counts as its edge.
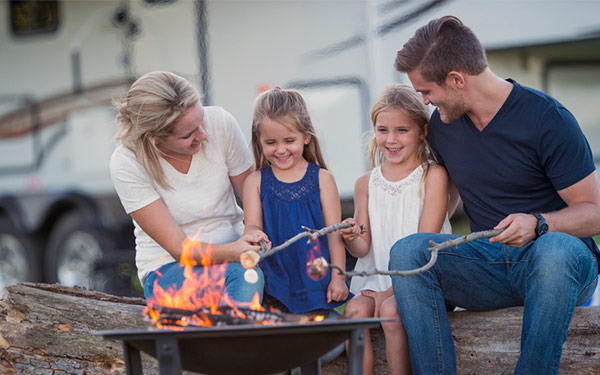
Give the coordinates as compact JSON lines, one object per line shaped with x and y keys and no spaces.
{"x":520,"y":163}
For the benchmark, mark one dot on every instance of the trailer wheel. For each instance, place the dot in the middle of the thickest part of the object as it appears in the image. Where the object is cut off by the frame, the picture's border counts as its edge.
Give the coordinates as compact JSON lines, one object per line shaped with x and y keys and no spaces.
{"x":19,"y":258}
{"x":74,"y":251}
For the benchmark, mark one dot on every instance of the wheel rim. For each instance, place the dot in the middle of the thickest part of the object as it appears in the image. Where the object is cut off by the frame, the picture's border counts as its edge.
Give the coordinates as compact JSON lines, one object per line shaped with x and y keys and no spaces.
{"x":14,"y":267}
{"x":76,"y":265}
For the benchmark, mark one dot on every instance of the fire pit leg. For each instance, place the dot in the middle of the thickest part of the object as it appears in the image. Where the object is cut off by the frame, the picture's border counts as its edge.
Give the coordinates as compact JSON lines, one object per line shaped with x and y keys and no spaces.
{"x":133,"y":360}
{"x":313,"y":368}
{"x":167,"y":353}
{"x":356,"y":351}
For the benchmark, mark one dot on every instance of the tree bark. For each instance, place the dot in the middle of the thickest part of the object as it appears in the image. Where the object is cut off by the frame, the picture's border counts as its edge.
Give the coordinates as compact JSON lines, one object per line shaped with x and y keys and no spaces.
{"x":489,"y":343}
{"x":45,"y":329}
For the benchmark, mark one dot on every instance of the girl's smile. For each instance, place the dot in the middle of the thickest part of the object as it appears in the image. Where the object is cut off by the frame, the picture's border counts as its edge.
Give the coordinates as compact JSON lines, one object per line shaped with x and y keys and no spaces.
{"x":398,"y":137}
{"x":282,"y":144}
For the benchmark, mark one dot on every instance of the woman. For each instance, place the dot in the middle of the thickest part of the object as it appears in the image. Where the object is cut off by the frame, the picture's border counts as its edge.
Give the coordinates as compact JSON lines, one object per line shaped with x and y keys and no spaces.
{"x":175,"y":170}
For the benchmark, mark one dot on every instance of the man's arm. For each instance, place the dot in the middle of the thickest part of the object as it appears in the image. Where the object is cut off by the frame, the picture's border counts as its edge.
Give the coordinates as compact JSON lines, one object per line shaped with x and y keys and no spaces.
{"x":581,"y":217}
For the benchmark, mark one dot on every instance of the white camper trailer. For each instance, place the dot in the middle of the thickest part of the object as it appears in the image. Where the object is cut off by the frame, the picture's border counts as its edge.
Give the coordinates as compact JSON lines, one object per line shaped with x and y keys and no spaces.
{"x":63,"y":61}
{"x":60,"y":219}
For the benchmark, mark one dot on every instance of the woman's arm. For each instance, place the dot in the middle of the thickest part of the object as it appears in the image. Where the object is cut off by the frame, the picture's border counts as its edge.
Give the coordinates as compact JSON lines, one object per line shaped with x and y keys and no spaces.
{"x":156,"y":220}
{"x":332,"y":213}
{"x":253,"y":217}
{"x":238,"y":182}
{"x":359,"y":241}
{"x":435,"y":204}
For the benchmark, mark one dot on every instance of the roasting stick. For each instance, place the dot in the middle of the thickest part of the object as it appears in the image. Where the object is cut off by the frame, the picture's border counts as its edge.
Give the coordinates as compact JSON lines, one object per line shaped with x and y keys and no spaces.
{"x":250,"y":259}
{"x":318,"y":267}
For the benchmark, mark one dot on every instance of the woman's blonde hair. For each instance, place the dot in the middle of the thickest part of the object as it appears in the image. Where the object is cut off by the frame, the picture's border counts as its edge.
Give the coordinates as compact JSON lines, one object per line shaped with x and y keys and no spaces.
{"x":407,"y":100}
{"x":152,"y":105}
{"x":289,"y":108}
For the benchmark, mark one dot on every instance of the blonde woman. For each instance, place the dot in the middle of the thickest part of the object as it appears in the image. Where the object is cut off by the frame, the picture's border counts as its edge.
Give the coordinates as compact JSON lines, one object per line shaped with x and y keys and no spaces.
{"x":176,"y":170}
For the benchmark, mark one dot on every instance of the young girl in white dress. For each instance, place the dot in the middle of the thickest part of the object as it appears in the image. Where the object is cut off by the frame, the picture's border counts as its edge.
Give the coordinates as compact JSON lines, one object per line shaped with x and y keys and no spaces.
{"x":404,"y":193}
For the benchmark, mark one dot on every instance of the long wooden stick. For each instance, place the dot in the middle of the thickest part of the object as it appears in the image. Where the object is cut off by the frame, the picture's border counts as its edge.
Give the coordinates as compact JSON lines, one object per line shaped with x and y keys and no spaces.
{"x":319,"y":265}
{"x":249,"y":259}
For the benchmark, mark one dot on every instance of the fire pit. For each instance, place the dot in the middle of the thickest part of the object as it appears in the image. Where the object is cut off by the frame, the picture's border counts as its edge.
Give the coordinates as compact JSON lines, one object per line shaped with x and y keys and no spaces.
{"x":244,"y":349}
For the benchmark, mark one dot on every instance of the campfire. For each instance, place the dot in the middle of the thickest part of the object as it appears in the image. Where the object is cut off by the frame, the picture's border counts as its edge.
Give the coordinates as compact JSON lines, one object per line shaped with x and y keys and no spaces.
{"x":200,"y":301}
{"x":207,"y":335}
{"x":204,"y":331}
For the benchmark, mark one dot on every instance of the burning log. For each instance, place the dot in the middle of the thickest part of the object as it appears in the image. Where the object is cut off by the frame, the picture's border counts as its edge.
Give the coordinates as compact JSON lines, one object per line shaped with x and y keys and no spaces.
{"x":225,"y":315}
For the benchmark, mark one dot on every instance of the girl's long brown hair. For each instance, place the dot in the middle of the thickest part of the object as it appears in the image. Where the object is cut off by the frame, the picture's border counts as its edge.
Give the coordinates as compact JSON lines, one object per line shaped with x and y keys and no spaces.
{"x":289,"y":108}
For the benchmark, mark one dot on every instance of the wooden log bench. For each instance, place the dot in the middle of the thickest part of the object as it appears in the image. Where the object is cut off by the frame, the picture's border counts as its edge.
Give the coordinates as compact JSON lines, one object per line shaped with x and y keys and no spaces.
{"x":489,"y":343}
{"x":44,"y":329}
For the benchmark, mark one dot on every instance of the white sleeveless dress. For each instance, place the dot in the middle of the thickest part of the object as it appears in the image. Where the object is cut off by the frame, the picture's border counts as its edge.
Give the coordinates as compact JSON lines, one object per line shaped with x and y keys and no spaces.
{"x":394,"y":212}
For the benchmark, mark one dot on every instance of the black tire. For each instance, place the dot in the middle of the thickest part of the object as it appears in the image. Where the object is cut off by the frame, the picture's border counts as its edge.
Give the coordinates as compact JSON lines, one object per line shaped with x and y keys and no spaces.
{"x":19,"y":257}
{"x":75,"y":248}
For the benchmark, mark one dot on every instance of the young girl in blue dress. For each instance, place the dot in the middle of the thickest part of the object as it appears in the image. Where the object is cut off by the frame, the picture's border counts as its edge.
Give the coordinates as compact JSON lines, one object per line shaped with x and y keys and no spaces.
{"x":292,"y":188}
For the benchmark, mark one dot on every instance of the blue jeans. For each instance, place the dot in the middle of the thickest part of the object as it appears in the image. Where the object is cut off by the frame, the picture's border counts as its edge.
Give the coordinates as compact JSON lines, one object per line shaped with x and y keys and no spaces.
{"x":235,"y":286}
{"x":549,"y":277}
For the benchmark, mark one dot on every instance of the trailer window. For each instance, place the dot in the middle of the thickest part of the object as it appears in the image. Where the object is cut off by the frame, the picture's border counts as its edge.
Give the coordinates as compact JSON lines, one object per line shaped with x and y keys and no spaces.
{"x":33,"y":17}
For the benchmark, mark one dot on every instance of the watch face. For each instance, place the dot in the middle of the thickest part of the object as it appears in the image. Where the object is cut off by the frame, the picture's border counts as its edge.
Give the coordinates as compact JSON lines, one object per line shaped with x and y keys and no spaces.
{"x":542,"y":225}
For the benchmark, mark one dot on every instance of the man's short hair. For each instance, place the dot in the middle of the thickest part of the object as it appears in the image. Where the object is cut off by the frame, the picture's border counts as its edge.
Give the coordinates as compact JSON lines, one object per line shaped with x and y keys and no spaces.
{"x":443,"y":45}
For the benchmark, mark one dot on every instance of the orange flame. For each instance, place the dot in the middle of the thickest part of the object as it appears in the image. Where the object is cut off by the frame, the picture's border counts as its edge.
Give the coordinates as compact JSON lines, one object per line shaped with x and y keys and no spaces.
{"x":319,"y":318}
{"x":199,"y":290}
{"x":203,"y":291}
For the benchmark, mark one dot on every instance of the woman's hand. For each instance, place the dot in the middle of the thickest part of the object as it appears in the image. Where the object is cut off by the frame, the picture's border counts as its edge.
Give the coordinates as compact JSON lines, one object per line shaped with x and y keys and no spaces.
{"x":248,"y":242}
{"x":337,"y":289}
{"x":257,"y":233}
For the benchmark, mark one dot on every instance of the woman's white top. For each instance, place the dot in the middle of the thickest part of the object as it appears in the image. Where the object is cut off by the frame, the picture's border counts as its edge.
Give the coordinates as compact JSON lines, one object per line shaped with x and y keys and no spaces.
{"x":202,"y":201}
{"x":394,"y":212}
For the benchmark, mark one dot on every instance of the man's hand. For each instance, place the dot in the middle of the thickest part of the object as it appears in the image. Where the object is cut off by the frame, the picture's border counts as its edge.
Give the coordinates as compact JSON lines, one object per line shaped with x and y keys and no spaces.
{"x":519,"y":229}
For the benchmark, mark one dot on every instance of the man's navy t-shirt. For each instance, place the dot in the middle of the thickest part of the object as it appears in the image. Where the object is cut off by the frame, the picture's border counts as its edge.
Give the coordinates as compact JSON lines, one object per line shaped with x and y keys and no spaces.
{"x":532,"y":147}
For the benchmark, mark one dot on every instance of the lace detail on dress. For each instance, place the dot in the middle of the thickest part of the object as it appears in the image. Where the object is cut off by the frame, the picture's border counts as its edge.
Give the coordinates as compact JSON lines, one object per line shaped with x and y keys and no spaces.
{"x":294,"y":190}
{"x":395,"y":188}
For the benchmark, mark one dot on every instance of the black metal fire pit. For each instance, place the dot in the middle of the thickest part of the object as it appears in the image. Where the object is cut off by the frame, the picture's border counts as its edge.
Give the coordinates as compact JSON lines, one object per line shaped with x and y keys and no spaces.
{"x":244,"y":349}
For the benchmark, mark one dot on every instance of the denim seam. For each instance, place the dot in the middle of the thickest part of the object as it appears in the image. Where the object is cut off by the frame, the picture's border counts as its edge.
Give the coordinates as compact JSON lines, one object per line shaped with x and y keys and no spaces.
{"x":465,"y":257}
{"x":509,"y":265}
{"x":437,"y":328}
{"x":567,"y":319}
{"x":584,"y":288}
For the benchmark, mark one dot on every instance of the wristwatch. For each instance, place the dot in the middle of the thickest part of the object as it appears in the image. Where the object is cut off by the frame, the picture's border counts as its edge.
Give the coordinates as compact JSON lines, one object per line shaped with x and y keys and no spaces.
{"x":542,"y":225}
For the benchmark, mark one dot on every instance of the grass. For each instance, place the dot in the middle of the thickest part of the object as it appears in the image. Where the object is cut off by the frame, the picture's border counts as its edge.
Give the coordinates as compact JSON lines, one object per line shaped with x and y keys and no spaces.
{"x":460,"y":226}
